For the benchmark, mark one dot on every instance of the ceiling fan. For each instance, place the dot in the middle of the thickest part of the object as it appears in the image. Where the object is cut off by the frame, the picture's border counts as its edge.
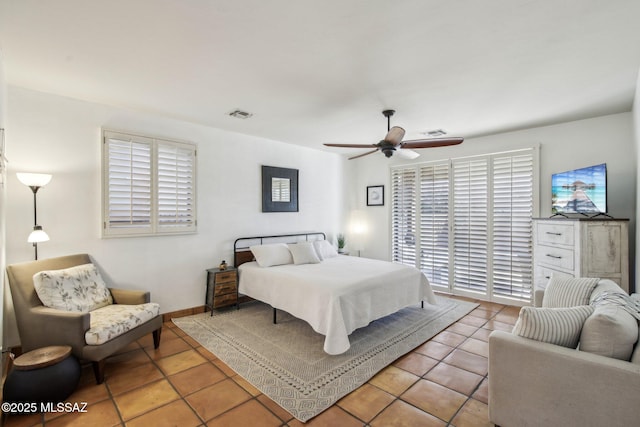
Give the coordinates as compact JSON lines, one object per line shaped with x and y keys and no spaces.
{"x":393,"y":143}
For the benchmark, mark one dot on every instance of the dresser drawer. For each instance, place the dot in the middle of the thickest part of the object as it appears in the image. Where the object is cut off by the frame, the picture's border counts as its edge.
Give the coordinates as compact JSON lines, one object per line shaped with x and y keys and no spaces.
{"x":224,"y":300}
{"x":554,"y":257}
{"x":543,"y":274}
{"x":555,"y":234}
{"x":224,"y":288}
{"x":224,"y":277}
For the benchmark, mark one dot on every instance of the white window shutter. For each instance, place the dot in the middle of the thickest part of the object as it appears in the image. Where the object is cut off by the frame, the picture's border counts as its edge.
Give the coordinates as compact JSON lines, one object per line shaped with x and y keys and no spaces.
{"x":470,"y":206}
{"x":403,"y":216}
{"x":148,"y":185}
{"x":434,"y":223}
{"x":512,"y":213}
{"x":128,"y":180}
{"x":467,"y":222}
{"x":176,"y":178}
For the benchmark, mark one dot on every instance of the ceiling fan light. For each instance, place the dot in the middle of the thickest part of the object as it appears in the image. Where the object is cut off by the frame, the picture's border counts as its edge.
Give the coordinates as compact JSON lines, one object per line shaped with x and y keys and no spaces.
{"x":408,"y":154}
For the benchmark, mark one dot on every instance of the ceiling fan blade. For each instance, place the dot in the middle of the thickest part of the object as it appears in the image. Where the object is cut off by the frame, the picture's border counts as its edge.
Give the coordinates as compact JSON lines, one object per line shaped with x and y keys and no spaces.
{"x":405,"y":153}
{"x":362,"y":155}
{"x":395,"y":135}
{"x":351,"y":145}
{"x":430,"y":143}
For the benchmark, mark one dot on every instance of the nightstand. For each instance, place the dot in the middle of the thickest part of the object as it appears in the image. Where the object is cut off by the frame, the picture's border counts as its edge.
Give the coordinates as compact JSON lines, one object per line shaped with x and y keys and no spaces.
{"x":222,"y":288}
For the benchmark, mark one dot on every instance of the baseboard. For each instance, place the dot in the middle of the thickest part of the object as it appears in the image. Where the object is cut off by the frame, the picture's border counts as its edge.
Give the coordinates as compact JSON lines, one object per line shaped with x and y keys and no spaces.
{"x":166,"y":317}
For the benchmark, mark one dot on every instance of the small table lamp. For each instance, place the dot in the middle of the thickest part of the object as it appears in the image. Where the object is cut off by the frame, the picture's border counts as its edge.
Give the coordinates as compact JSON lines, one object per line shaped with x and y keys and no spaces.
{"x":35,"y":181}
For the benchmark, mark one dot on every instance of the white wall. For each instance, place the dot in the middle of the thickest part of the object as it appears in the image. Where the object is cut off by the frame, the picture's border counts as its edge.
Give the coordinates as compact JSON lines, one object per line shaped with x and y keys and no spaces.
{"x":3,"y":91}
{"x":607,"y":139}
{"x":636,"y":126}
{"x":61,"y":136}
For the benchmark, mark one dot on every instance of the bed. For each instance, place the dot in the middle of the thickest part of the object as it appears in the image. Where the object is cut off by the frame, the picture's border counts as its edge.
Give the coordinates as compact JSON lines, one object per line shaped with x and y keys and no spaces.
{"x":336,"y":295}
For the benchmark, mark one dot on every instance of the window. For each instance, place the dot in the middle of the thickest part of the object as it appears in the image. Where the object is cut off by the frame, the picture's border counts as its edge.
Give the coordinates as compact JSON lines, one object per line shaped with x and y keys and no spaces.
{"x":149,"y":185}
{"x":403,"y":215}
{"x":470,"y":222}
{"x":472,"y":232}
{"x":434,"y":222}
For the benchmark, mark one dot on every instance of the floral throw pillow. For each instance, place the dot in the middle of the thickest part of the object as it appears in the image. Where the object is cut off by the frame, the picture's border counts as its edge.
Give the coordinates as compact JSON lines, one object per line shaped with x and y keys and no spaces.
{"x":78,"y":288}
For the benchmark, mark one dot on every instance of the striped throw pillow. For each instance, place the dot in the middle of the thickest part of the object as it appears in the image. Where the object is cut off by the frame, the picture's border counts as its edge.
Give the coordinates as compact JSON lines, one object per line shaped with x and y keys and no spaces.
{"x":569,"y":292}
{"x":559,"y":326}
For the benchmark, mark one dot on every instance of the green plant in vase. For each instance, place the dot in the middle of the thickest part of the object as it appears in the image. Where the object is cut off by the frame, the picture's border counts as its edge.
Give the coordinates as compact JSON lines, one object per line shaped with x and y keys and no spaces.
{"x":341,"y":242}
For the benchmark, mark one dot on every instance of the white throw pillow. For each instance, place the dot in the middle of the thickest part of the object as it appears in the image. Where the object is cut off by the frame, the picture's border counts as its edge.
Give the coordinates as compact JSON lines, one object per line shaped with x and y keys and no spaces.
{"x":78,"y":288}
{"x":610,"y":331}
{"x":559,"y":326}
{"x":324,"y":249}
{"x":605,"y":285}
{"x":571,"y":292}
{"x":303,"y":253}
{"x":272,"y":254}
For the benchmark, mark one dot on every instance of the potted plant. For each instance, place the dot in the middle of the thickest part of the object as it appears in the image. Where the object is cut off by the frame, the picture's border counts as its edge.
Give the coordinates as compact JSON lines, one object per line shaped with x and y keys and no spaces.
{"x":341,"y":241}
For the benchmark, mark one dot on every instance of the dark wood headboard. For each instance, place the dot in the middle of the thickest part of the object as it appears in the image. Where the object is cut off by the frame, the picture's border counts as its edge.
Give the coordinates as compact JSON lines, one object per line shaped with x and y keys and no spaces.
{"x":242,"y":253}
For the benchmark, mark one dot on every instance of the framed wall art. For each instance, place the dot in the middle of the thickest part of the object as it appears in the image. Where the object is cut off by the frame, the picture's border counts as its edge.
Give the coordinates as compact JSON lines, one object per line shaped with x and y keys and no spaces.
{"x":279,"y":189}
{"x":375,"y":195}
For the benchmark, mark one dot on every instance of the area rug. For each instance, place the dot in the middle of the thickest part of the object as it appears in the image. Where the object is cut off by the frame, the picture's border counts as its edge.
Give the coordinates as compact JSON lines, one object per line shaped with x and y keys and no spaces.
{"x":286,"y":361}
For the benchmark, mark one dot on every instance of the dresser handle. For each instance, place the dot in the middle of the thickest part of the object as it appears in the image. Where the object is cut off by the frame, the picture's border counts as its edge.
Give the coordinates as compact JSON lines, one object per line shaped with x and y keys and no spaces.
{"x":554,"y":234}
{"x":547,"y":277}
{"x":554,"y":256}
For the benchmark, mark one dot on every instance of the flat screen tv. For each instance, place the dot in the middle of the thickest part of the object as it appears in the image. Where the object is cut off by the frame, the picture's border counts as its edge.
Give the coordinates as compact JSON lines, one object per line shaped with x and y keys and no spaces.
{"x":582,"y":191}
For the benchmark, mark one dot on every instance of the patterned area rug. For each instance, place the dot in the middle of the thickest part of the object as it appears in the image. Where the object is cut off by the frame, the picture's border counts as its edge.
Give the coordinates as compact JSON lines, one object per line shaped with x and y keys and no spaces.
{"x":286,"y":361}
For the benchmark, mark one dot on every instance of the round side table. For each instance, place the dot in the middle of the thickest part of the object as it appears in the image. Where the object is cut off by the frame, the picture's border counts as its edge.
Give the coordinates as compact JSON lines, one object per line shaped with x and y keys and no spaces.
{"x":48,"y":374}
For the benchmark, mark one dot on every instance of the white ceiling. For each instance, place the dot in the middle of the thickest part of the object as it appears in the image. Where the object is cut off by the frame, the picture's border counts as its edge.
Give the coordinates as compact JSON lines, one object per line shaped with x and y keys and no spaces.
{"x":315,"y":71}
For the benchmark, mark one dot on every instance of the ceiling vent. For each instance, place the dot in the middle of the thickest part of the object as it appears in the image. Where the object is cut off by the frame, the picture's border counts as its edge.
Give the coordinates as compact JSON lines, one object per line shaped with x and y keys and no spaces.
{"x":435,"y":133}
{"x":239,"y":114}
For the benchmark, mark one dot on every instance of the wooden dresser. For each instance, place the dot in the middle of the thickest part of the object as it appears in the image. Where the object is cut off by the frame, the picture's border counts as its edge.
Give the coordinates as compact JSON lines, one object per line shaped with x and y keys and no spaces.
{"x":581,"y":248}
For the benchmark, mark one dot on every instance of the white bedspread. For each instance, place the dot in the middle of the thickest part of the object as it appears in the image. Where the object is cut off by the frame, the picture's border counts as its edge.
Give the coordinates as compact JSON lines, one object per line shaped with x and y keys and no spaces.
{"x":338,"y":295}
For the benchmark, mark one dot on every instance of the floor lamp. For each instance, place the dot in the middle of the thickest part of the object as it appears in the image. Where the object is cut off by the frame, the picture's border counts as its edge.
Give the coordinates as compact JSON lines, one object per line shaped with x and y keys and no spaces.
{"x":358,"y":229}
{"x":35,"y":181}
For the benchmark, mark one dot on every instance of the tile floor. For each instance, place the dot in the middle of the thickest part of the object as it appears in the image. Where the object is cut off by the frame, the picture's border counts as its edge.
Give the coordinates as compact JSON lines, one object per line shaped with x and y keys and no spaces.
{"x":442,"y":382}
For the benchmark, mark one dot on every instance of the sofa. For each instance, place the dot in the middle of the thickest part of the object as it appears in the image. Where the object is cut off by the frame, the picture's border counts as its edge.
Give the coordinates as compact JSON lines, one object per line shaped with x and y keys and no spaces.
{"x":538,"y":383}
{"x":64,"y":301}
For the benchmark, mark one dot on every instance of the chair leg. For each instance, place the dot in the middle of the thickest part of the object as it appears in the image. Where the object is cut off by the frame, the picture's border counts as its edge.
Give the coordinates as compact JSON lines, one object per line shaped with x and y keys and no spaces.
{"x":156,"y":338}
{"x":98,"y":371}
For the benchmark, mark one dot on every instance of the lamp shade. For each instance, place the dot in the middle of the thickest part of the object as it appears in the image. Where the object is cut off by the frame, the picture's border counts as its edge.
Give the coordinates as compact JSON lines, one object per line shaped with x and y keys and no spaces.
{"x":34,"y":179}
{"x":358,"y":228}
{"x":38,"y":235}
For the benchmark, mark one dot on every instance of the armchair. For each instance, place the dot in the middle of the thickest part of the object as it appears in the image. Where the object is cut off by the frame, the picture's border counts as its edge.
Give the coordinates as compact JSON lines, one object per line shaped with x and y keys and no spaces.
{"x":41,"y":326}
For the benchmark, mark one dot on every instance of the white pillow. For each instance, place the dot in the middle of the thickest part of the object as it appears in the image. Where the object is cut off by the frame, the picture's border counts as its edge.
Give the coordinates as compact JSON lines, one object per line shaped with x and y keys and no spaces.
{"x":571,"y":292}
{"x":610,"y":331}
{"x":324,"y":249}
{"x":78,"y":288}
{"x":272,"y":254}
{"x":605,"y":285}
{"x":303,"y":253}
{"x":559,"y":326}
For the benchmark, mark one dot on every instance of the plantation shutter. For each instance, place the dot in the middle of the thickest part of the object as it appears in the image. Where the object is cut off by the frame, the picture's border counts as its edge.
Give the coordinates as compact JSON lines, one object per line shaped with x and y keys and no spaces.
{"x":466,"y":222}
{"x":176,"y":201}
{"x":434,"y":223}
{"x":148,"y":185}
{"x":129,"y":183}
{"x":512,"y":214}
{"x":470,"y":223}
{"x":403,"y":215}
